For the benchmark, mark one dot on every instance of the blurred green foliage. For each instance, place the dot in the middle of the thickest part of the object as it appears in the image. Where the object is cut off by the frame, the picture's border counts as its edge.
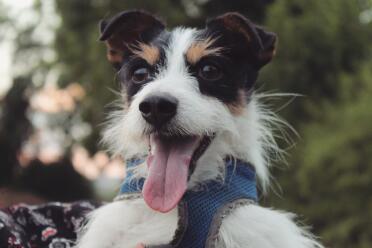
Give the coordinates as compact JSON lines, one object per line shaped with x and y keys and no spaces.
{"x":324,"y":53}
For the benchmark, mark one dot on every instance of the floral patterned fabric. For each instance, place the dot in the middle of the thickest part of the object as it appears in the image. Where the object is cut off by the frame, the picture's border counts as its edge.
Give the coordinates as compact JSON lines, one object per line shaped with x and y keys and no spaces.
{"x":51,"y":225}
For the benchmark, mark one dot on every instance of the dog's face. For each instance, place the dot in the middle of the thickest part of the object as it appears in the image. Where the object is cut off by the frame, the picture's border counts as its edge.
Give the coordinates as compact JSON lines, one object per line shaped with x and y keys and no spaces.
{"x":182,"y":90}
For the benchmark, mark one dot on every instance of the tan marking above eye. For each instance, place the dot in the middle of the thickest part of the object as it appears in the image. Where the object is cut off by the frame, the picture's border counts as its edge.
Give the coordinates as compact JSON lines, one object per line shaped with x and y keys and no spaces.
{"x":148,"y":52}
{"x":200,"y":49}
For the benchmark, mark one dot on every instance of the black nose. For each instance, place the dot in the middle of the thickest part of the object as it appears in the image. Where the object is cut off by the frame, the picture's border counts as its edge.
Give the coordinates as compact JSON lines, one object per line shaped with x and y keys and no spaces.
{"x":158,"y":110}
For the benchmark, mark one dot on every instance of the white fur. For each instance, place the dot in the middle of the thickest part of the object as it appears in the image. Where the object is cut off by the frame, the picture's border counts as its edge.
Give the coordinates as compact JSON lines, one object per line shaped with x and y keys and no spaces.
{"x":126,"y":224}
{"x":257,"y":227}
{"x":249,"y":136}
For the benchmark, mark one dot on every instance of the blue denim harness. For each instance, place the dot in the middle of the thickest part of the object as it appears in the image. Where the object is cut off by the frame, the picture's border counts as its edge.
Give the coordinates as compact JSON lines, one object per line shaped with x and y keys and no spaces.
{"x":201,"y":210}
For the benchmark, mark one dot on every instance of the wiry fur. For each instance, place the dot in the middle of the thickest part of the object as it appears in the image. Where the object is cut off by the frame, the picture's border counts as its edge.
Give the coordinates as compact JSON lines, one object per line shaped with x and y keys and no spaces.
{"x":249,"y":136}
{"x":257,"y":227}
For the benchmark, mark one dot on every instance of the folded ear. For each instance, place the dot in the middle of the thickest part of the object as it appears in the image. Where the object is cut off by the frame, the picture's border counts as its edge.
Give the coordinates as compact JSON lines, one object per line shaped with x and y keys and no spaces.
{"x":126,"y":28}
{"x":260,"y":42}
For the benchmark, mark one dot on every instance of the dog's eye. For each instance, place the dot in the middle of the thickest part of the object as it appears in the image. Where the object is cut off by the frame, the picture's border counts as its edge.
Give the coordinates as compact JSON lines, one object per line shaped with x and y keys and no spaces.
{"x":210,"y":72}
{"x":140,"y":75}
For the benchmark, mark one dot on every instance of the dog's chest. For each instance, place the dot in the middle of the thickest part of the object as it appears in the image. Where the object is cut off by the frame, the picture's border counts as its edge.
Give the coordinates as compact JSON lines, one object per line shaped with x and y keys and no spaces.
{"x":200,"y":212}
{"x":148,"y":227}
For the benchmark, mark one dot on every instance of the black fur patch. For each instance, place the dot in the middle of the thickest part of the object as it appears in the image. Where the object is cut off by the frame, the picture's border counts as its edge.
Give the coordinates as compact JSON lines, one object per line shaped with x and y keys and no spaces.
{"x":235,"y":62}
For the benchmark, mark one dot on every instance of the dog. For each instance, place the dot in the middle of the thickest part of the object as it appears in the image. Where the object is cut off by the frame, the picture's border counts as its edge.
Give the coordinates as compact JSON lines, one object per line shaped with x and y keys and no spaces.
{"x":191,"y":123}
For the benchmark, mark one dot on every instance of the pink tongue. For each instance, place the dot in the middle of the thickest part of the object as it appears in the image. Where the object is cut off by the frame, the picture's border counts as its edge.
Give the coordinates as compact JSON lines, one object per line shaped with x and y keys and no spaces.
{"x":168,"y":171}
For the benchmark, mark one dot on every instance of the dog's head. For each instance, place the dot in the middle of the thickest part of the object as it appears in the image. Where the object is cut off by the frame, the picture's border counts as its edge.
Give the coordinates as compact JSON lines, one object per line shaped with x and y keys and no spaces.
{"x":188,"y":96}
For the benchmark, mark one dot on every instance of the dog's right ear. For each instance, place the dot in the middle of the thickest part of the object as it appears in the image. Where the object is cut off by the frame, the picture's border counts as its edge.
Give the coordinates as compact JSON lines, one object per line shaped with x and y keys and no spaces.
{"x":261,"y":42}
{"x":127,"y":28}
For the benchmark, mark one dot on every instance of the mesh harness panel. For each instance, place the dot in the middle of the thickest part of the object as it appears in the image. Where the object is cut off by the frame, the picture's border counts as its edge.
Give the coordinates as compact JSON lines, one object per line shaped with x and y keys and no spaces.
{"x":201,"y":210}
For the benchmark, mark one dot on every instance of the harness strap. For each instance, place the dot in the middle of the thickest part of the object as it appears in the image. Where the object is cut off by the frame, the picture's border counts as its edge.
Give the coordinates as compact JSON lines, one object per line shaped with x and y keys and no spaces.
{"x":221,"y":213}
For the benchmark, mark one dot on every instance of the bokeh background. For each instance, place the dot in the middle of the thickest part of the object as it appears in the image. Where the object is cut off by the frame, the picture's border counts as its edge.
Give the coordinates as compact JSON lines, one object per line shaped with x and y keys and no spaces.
{"x":56,"y":86}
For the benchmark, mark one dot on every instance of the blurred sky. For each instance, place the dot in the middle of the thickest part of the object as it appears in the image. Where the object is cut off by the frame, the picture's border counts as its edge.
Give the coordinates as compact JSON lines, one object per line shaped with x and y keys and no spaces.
{"x":6,"y":47}
{"x":22,"y":14}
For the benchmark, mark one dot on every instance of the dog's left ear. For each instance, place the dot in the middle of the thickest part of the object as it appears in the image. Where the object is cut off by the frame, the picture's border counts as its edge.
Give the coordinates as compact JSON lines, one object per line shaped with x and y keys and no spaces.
{"x":124,"y":30}
{"x":260,"y":42}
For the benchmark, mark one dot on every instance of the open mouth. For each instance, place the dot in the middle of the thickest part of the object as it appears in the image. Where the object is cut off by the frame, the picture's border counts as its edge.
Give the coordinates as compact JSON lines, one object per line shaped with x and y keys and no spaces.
{"x":170,"y":163}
